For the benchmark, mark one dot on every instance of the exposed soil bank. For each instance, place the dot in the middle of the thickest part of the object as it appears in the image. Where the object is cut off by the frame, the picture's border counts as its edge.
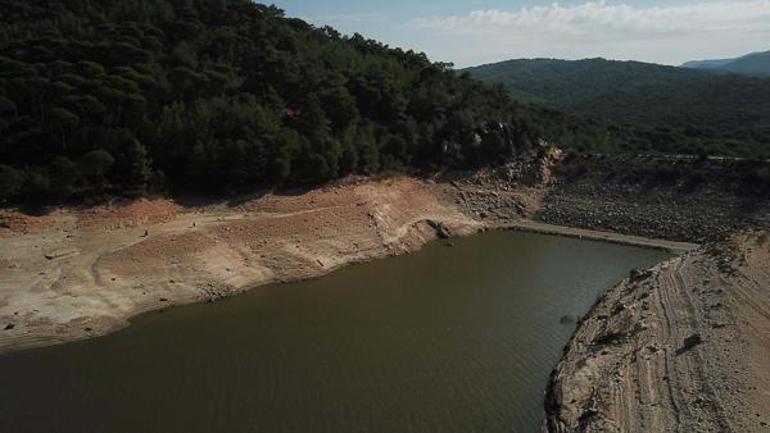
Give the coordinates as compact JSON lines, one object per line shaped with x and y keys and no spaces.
{"x":80,"y":273}
{"x":683,"y":347}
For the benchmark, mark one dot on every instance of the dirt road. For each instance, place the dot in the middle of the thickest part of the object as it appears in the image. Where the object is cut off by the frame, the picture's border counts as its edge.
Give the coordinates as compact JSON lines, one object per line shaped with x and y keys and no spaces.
{"x":682,"y":348}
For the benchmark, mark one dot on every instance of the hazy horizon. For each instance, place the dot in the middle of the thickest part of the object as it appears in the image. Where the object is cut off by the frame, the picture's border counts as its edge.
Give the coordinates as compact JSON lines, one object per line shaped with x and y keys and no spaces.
{"x":475,"y":32}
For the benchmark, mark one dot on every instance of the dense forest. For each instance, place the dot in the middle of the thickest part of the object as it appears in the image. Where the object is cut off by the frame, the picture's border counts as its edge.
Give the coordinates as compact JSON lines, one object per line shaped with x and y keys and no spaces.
{"x":222,"y":96}
{"x":130,"y":97}
{"x":647,"y":106}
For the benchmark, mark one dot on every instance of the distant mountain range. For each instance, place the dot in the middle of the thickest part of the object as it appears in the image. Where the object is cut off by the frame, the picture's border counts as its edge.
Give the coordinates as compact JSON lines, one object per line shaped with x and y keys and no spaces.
{"x":723,"y":112}
{"x":755,"y":64}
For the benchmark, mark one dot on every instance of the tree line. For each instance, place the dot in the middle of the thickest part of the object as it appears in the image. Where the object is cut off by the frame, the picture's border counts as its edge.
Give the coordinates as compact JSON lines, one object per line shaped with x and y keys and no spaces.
{"x":224,"y":96}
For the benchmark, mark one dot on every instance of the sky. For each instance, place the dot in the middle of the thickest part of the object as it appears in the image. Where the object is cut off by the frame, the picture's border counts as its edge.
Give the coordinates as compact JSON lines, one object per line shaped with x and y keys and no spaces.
{"x":473,"y":32}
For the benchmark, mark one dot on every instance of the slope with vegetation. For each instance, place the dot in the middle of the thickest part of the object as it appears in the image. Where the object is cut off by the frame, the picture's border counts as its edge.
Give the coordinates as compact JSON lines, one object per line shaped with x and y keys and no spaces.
{"x":645,"y":106}
{"x":220,"y":96}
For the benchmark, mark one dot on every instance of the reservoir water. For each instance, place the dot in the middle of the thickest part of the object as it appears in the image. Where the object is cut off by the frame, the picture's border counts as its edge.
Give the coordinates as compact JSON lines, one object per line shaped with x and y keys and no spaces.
{"x":458,"y":339}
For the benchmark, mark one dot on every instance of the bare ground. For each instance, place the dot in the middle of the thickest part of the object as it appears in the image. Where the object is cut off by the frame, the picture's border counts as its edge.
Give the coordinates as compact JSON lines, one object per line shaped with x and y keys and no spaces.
{"x":80,"y":273}
{"x":684,"y":347}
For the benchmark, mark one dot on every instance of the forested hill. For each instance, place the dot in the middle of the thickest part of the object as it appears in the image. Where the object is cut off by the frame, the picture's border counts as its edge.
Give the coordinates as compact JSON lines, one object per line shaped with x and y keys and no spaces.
{"x":754,"y":64}
{"x":684,"y":109}
{"x":219,"y":96}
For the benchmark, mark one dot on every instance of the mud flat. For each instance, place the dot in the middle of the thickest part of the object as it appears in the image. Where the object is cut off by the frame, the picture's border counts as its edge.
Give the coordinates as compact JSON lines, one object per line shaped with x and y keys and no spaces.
{"x":683,"y":347}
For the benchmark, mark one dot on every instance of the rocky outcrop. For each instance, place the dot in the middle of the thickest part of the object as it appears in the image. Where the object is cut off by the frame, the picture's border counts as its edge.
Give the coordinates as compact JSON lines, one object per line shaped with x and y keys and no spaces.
{"x":509,"y":192}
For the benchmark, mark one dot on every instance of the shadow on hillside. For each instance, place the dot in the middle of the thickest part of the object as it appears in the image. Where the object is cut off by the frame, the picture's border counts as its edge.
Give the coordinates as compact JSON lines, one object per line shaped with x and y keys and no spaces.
{"x":235,"y":200}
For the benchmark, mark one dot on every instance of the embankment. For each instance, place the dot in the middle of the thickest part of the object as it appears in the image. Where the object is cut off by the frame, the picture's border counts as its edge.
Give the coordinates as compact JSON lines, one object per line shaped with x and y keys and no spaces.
{"x":683,"y":347}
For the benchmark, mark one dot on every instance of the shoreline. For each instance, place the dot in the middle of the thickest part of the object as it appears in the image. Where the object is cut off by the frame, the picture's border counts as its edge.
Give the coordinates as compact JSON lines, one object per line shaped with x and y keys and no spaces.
{"x":525,"y":226}
{"x":531,"y":226}
{"x":75,"y":274}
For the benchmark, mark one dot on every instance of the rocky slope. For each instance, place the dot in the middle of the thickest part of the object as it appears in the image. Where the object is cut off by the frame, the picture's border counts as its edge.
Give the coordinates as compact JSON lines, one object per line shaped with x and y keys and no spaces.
{"x":683,"y":347}
{"x":669,"y":197}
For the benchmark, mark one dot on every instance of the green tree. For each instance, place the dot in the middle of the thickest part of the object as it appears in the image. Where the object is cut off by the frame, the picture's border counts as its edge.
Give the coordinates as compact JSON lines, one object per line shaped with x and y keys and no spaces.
{"x":140,"y":165}
{"x":96,"y":165}
{"x":219,"y":96}
{"x":64,"y":121}
{"x":11,"y":182}
{"x":64,"y":175}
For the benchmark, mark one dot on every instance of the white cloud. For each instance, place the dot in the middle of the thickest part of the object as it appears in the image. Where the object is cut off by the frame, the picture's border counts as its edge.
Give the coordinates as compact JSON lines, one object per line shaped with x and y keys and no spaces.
{"x":668,"y":34}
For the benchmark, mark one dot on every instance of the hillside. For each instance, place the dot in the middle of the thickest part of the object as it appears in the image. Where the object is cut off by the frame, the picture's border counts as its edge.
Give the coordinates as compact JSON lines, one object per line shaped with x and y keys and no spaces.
{"x":707,"y":64}
{"x":670,"y":109}
{"x":222,"y":96}
{"x":754,"y":64}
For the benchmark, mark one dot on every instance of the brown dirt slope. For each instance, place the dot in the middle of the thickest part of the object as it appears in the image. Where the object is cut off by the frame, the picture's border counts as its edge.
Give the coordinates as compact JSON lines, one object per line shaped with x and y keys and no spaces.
{"x":79,"y":273}
{"x":684,"y":347}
